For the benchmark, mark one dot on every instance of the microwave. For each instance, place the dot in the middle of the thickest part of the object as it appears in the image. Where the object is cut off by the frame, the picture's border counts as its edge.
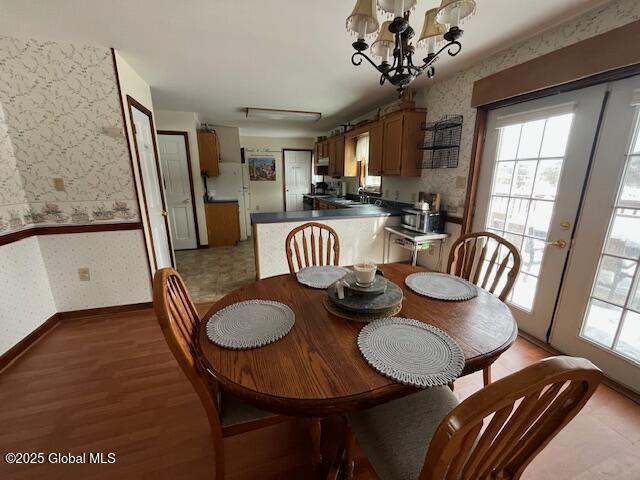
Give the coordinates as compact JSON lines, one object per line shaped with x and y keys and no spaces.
{"x":423,"y":221}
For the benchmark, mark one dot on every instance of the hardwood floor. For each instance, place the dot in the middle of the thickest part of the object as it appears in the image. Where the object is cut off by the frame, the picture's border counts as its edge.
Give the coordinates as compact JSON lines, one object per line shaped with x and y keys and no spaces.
{"x":110,"y":384}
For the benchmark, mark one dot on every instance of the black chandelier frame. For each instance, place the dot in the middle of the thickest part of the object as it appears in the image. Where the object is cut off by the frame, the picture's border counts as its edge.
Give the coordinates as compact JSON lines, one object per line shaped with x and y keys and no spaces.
{"x":403,"y":71}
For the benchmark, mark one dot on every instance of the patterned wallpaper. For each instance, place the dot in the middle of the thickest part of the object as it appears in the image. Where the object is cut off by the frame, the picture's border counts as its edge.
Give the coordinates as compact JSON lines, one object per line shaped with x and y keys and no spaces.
{"x":55,"y":101}
{"x":453,"y":95}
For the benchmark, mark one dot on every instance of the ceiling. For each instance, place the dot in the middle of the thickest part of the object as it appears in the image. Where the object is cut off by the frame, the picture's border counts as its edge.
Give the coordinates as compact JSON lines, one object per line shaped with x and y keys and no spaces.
{"x":215,"y":57}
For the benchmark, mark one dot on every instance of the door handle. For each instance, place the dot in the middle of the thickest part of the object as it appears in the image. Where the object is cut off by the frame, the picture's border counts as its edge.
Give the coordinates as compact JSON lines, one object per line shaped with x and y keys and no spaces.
{"x":557,"y":243}
{"x":165,"y":213}
{"x":184,"y":202}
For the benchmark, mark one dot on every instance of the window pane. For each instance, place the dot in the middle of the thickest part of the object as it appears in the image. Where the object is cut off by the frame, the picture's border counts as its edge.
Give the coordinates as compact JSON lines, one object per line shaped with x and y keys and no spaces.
{"x":539,"y":219}
{"x":624,"y":239}
{"x":502,"y":178}
{"x":614,"y":279}
{"x":515,"y":239}
{"x":634,"y":301}
{"x":532,"y":253}
{"x":629,"y":340}
{"x":517,"y":215}
{"x":524,"y":291}
{"x":630,"y":195}
{"x":530,"y":139}
{"x":601,"y":322}
{"x":509,"y":137}
{"x":523,"y":178}
{"x":547,"y":179}
{"x":497,"y":212}
{"x":556,"y":135}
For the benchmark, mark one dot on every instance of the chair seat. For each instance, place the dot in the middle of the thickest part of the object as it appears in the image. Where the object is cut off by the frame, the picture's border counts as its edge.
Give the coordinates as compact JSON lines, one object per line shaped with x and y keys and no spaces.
{"x":234,"y":411}
{"x":395,"y":436}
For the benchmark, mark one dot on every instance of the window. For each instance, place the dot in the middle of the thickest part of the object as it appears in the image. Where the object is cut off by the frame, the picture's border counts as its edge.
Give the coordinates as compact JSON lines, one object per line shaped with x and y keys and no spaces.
{"x":612,"y":319}
{"x":371,"y":183}
{"x":526,"y":175}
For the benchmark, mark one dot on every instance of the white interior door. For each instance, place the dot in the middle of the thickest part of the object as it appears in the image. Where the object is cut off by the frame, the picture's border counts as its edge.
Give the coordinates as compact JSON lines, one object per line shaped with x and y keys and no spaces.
{"x":598,"y":314}
{"x":534,"y":165}
{"x":177,"y":182}
{"x":246,"y":193}
{"x":156,"y":213}
{"x":297,"y":177}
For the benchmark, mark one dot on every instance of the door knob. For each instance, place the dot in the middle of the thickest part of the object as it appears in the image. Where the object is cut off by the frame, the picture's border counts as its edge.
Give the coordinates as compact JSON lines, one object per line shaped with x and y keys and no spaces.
{"x":165,"y":213}
{"x":557,"y":243}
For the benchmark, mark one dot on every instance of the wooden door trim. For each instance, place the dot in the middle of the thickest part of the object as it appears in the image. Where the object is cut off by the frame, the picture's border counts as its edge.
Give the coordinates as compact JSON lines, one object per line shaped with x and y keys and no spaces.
{"x":132,"y":102}
{"x":133,"y":170}
{"x":480,"y":130}
{"x":284,"y":170}
{"x":189,"y":167}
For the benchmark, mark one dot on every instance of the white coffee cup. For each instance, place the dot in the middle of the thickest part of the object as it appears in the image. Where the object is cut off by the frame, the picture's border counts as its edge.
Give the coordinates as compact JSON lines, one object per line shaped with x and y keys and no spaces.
{"x":365,"y":273}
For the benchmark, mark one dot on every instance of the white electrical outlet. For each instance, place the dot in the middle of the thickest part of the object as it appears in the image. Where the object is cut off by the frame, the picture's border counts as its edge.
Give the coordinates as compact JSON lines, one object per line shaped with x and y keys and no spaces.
{"x":84,"y":274}
{"x":461,"y":181}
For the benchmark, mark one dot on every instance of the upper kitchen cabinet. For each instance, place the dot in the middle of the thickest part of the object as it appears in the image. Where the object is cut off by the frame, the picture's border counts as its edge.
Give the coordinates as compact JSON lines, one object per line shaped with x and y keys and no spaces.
{"x":341,"y":165}
{"x":376,"y":146}
{"x":209,"y":151}
{"x":401,"y":135}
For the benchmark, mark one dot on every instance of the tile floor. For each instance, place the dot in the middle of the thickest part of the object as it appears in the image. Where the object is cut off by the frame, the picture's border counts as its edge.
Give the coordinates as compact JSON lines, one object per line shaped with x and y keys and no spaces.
{"x":211,"y":273}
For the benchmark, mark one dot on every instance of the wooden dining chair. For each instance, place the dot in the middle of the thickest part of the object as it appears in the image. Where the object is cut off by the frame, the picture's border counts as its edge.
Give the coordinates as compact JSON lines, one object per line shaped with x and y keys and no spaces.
{"x":313,"y":244}
{"x":180,"y":324}
{"x":492,"y":435}
{"x":474,"y":258}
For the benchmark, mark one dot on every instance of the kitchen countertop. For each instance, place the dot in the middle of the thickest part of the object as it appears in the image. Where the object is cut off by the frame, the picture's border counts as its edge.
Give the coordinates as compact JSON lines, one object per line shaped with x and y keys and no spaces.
{"x":340,"y":213}
{"x":221,"y":200}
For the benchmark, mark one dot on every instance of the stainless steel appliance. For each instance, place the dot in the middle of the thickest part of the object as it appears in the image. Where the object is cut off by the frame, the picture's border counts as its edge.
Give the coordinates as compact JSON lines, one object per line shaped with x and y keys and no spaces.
{"x":423,"y":221}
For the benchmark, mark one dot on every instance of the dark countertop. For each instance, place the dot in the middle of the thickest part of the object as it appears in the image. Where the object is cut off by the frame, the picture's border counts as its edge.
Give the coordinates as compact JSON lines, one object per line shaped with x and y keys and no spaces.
{"x":221,"y":200}
{"x":304,"y":215}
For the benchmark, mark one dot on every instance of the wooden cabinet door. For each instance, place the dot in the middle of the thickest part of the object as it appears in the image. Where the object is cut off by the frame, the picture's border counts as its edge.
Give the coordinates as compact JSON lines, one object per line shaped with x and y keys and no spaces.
{"x":223,"y":223}
{"x":209,"y":152}
{"x":339,"y":153}
{"x":375,"y":149}
{"x":333,"y":166}
{"x":392,"y":149}
{"x":324,"y":149}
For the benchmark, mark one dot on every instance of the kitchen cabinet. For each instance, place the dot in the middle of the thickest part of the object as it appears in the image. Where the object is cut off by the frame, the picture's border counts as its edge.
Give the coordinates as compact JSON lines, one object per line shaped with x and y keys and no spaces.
{"x":223,"y":223}
{"x":209,"y":153}
{"x":376,"y":145}
{"x":401,"y":135}
{"x":340,"y":164}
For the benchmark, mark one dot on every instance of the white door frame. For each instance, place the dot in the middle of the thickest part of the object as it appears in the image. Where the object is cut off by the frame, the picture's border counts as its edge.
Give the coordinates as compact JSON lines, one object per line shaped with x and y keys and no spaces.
{"x":185,"y":135}
{"x":133,"y":103}
{"x":284,"y":170}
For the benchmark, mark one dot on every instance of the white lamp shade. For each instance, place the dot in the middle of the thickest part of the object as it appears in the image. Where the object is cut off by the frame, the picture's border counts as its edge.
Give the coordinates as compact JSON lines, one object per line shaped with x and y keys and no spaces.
{"x":451,"y":12}
{"x":363,"y":20}
{"x":431,"y":28}
{"x":390,"y":6}
{"x":385,"y":43}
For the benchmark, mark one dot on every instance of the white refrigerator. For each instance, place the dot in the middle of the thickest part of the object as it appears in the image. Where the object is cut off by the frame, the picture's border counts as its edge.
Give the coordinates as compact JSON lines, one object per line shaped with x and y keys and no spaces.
{"x":233,"y":184}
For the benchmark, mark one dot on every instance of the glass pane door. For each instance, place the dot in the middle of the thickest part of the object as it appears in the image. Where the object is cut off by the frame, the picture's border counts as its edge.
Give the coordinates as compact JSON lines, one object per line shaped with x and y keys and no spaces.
{"x":613,"y":315}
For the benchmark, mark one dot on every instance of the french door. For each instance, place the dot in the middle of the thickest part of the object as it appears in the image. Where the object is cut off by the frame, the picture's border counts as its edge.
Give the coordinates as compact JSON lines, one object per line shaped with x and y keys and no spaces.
{"x":533,"y":170}
{"x":598,"y":313}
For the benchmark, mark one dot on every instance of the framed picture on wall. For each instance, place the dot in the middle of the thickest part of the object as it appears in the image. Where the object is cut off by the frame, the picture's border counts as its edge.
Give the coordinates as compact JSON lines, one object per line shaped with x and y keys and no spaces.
{"x":262,"y":169}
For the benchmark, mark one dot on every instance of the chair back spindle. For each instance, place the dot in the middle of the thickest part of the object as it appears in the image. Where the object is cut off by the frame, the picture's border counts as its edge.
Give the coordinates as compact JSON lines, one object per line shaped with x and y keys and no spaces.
{"x":312,"y":244}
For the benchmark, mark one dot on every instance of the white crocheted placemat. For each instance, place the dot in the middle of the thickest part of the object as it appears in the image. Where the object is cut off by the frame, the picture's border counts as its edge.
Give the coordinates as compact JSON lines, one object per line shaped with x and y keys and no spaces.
{"x":411,"y":352}
{"x":321,"y":277}
{"x":441,"y":286}
{"x":250,"y":324}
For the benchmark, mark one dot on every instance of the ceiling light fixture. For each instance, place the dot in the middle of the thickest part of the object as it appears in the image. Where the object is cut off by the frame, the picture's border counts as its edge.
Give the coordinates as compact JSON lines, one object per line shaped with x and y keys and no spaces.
{"x":275,"y":114}
{"x":393,"y":47}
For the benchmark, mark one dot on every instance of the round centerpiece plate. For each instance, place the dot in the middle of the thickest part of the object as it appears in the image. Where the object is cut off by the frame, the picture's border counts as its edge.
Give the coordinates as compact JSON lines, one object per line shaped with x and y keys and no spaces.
{"x":392,"y":297}
{"x":441,"y":286}
{"x":411,"y":352}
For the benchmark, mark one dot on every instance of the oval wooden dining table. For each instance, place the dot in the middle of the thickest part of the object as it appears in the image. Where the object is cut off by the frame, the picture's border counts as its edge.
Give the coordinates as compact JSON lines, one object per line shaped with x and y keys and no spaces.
{"x":317,"y":369}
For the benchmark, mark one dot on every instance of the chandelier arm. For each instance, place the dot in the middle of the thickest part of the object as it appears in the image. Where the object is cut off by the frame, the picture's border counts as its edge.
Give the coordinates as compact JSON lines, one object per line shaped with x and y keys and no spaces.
{"x":454,"y":49}
{"x":358,"y":61}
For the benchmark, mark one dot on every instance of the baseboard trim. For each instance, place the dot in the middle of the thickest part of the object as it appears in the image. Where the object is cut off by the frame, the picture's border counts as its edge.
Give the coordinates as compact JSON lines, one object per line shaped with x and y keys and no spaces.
{"x":202,"y":246}
{"x":94,"y":312}
{"x":8,"y":357}
{"x":15,"y":352}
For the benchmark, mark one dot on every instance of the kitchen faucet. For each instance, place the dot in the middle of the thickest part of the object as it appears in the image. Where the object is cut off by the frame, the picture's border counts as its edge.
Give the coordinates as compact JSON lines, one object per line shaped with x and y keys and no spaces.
{"x":363,"y":197}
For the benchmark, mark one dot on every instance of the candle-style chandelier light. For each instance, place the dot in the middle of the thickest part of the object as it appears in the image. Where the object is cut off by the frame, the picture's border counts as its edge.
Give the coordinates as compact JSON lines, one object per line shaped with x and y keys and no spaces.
{"x":393,"y":46}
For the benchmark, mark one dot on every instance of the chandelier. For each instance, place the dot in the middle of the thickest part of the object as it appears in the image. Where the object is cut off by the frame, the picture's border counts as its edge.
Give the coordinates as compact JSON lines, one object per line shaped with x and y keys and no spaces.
{"x":393,"y":47}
